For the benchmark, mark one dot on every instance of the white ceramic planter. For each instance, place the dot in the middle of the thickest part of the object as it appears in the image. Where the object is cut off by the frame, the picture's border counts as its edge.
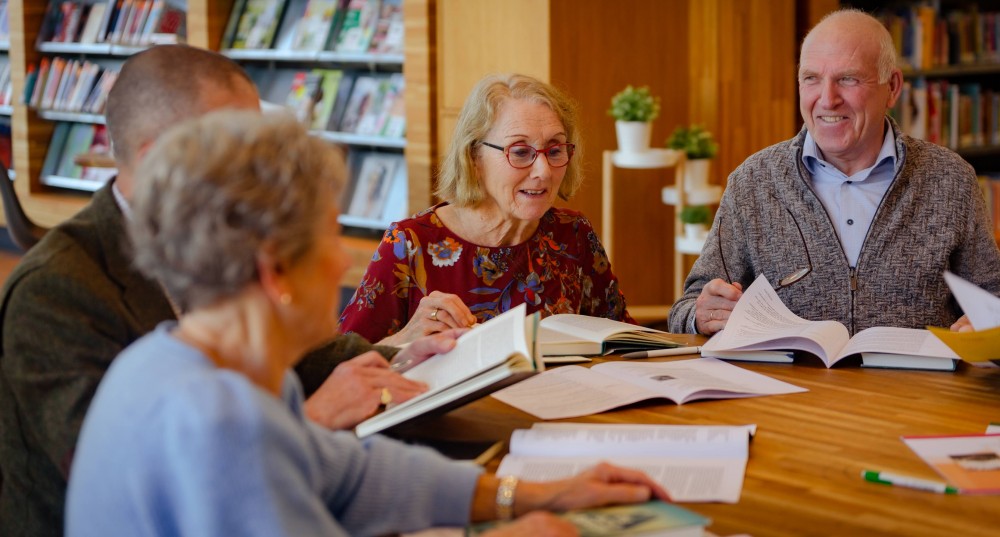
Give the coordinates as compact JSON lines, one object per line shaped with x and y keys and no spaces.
{"x":695,"y":232}
{"x":696,"y":174}
{"x":633,"y":136}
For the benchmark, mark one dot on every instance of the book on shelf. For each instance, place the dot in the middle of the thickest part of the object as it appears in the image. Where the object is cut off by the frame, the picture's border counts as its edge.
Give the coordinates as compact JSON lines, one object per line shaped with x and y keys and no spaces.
{"x":374,"y":182}
{"x":312,"y":31}
{"x":983,"y":309}
{"x":761,"y":322}
{"x":970,"y":463}
{"x":375,"y":111}
{"x":4,"y":22}
{"x":388,"y":35}
{"x":360,"y":19}
{"x":694,"y":463}
{"x":490,"y":356}
{"x":571,"y":334}
{"x":6,"y":145}
{"x":328,"y":88}
{"x":363,"y":94}
{"x":572,"y":391}
{"x":304,"y":95}
{"x":257,"y":24}
{"x":92,"y":27}
{"x":651,"y":519}
{"x":81,"y":136}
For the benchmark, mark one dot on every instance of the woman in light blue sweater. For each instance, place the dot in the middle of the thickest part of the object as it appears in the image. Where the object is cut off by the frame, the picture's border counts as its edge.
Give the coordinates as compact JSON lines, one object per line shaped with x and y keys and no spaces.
{"x":198,"y":428}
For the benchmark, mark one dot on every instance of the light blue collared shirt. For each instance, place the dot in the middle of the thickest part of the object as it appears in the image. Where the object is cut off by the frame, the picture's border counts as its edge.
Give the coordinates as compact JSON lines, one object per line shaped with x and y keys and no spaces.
{"x":851,"y":201}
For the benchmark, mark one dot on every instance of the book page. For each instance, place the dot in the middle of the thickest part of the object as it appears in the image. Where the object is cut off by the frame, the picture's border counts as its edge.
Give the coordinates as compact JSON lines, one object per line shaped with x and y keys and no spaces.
{"x":589,"y":328}
{"x":593,"y":439}
{"x":909,"y":341}
{"x":485,"y":346}
{"x":760,"y":321}
{"x":573,"y":391}
{"x":686,"y":479}
{"x":981,"y":306}
{"x":570,"y":391}
{"x":700,"y":378}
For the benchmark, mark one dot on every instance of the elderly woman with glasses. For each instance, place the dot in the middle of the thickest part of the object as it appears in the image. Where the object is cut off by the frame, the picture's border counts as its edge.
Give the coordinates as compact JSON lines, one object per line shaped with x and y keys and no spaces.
{"x":496,"y":241}
{"x":198,"y":428}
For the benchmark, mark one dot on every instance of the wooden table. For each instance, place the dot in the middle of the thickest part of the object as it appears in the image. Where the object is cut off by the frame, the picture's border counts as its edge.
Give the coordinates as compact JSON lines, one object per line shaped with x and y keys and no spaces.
{"x":803,"y":475}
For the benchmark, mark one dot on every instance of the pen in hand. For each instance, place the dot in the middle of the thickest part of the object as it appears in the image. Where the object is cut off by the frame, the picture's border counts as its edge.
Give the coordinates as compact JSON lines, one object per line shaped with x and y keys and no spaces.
{"x":676,"y":351}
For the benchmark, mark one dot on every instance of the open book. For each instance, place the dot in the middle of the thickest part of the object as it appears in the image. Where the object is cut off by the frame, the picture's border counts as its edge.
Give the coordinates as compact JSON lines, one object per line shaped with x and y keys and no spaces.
{"x":761,"y":322}
{"x":651,"y":519}
{"x":571,"y":391}
{"x":983,"y":309}
{"x":492,"y":355}
{"x":703,"y":463}
{"x":569,"y":333}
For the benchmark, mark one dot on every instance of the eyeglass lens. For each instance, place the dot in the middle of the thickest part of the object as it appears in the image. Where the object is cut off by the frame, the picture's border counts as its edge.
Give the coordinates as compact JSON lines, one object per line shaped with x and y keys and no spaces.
{"x":523,"y":155}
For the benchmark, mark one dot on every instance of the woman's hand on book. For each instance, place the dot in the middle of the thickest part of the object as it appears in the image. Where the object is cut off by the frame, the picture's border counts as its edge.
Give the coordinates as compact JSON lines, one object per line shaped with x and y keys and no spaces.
{"x":604,"y":484}
{"x":436,"y":312}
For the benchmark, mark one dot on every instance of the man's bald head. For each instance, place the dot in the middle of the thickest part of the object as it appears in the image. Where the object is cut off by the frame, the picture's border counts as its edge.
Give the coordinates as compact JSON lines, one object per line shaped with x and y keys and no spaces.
{"x":163,"y":86}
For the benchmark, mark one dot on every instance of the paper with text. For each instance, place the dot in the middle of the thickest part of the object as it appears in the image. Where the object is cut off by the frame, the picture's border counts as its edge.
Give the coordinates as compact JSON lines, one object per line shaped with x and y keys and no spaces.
{"x":572,"y":391}
{"x":694,"y":463}
{"x":982,"y":307}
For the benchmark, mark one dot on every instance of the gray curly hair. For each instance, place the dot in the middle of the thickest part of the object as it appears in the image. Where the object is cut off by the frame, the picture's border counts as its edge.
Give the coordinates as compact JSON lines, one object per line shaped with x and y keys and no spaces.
{"x":215,"y":190}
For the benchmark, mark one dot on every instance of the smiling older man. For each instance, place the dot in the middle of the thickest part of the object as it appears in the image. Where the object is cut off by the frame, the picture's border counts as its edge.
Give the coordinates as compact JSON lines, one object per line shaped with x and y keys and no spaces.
{"x":851,"y":220}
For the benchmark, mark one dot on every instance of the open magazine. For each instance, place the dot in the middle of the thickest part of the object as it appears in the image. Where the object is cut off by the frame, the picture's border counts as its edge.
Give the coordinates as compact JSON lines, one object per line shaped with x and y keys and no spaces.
{"x":761,"y":322}
{"x":571,"y":391}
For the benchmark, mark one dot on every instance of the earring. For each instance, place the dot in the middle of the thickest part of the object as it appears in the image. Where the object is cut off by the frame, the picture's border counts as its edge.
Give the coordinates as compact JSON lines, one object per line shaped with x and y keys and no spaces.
{"x":285,"y":298}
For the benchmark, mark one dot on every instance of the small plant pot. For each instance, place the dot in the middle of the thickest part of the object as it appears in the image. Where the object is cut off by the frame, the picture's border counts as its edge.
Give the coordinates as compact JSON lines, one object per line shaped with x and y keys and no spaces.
{"x":696,"y":174}
{"x":695,"y":232}
{"x":633,"y":136}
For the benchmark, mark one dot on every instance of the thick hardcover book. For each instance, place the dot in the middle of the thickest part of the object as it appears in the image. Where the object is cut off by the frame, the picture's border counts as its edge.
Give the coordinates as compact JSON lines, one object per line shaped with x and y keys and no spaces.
{"x":492,"y":355}
{"x":650,"y":519}
{"x":761,"y":322}
{"x":570,"y":334}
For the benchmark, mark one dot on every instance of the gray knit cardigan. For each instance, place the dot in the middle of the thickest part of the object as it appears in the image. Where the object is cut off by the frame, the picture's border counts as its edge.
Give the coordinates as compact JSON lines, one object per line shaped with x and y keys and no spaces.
{"x":933,"y":218}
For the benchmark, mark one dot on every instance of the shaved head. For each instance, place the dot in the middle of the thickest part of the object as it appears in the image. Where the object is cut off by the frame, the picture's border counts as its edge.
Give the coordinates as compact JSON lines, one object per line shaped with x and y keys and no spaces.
{"x":163,"y":86}
{"x":861,"y":27}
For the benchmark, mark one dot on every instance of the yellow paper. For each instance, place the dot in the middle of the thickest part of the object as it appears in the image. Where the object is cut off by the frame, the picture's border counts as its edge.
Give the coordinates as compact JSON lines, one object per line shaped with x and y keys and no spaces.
{"x":977,"y":346}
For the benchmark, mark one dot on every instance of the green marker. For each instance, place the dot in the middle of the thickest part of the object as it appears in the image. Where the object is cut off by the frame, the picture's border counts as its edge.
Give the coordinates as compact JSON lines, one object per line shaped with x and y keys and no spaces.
{"x":887,"y":478}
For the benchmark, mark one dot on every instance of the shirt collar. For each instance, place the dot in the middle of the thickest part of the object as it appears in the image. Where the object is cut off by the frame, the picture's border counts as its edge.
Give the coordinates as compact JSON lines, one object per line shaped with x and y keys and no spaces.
{"x":120,"y":200}
{"x":812,"y":156}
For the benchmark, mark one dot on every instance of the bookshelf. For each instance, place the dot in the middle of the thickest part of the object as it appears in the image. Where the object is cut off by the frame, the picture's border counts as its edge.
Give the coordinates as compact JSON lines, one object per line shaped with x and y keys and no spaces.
{"x":206,"y":23}
{"x":950,"y":55}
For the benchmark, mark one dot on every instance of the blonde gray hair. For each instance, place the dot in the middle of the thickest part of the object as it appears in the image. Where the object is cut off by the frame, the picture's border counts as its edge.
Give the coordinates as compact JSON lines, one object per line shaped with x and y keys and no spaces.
{"x":458,"y":182}
{"x":214,"y":191}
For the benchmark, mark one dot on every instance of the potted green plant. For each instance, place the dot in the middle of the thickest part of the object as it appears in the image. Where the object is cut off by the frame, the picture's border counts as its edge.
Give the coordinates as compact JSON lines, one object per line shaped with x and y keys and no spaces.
{"x":634,"y":110}
{"x":696,"y":219}
{"x":700,"y":147}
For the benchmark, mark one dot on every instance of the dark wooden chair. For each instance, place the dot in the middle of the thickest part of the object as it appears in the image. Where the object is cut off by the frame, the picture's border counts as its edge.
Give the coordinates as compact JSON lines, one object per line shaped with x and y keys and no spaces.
{"x":23,"y":231}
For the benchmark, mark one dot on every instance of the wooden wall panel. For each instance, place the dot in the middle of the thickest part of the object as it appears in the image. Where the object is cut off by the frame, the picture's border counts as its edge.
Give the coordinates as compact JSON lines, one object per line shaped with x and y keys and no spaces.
{"x":751,"y":52}
{"x":419,"y":68}
{"x":597,"y":49}
{"x":479,"y":37}
{"x":206,"y":21}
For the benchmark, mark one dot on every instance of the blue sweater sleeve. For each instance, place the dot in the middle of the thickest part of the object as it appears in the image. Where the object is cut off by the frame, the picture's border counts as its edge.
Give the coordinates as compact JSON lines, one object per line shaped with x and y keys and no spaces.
{"x":241,"y":463}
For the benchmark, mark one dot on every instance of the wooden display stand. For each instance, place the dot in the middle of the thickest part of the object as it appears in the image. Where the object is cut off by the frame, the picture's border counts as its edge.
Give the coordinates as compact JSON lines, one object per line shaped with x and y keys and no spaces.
{"x":648,"y":160}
